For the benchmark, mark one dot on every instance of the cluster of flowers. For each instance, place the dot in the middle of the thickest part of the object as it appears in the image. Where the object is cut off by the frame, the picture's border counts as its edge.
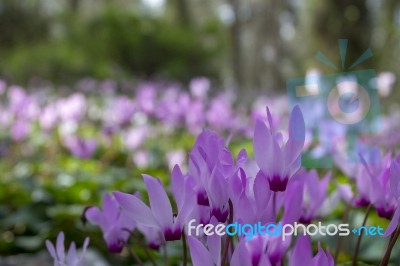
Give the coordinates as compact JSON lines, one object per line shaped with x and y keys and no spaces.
{"x":155,"y":109}
{"x":219,"y":187}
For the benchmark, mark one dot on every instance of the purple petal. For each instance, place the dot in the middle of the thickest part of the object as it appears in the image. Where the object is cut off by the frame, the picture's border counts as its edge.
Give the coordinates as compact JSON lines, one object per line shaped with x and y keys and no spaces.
{"x":395,"y":179}
{"x":51,"y":249}
{"x":393,"y":223}
{"x":71,"y":255}
{"x":177,"y":185}
{"x":302,"y":252}
{"x":94,"y":216}
{"x":159,"y":202}
{"x":262,"y":145}
{"x":136,"y":209}
{"x":199,"y":254}
{"x":214,"y":243}
{"x":110,"y":208}
{"x":295,"y":143}
{"x":60,"y":246}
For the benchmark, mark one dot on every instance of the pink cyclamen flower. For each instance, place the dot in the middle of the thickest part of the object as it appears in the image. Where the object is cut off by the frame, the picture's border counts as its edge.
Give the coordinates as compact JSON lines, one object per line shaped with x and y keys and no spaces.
{"x":302,"y":254}
{"x":278,"y":161}
{"x":113,"y":221}
{"x":315,"y":194}
{"x":71,"y":258}
{"x":159,"y":215}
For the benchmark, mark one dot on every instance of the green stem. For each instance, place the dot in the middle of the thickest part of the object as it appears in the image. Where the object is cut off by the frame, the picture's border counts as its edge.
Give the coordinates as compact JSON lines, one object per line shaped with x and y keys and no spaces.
{"x":360,"y":236}
{"x":386,"y":257}
{"x":134,"y":255}
{"x":344,"y":220}
{"x":228,"y":238}
{"x":184,"y":248}
{"x":166,"y":262}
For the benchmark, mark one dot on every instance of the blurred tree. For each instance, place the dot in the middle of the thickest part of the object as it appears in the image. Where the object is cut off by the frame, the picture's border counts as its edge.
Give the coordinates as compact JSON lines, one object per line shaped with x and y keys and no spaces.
{"x":340,"y":19}
{"x":22,"y":22}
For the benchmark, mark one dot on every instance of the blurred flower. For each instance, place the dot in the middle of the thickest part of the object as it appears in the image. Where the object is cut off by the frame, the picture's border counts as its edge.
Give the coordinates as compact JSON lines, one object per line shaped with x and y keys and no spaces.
{"x":20,"y":130}
{"x":279,"y":162}
{"x":72,"y":108}
{"x":146,"y":97}
{"x":385,"y":82}
{"x":199,"y":87}
{"x":135,"y":137}
{"x":48,"y":117}
{"x":315,"y":193}
{"x":141,"y":158}
{"x":120,"y":112}
{"x":58,"y":252}
{"x":175,"y":157}
{"x":113,"y":221}
{"x":80,"y":147}
{"x":220,"y":114}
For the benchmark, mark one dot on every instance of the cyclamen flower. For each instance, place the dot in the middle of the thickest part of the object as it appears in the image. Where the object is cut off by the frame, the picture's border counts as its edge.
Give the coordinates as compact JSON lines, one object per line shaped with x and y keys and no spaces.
{"x":302,"y":254}
{"x":278,"y":161}
{"x":79,"y":147}
{"x":378,"y":172}
{"x":159,"y":215}
{"x":315,"y":194}
{"x":113,"y":221}
{"x":211,"y":165}
{"x":58,"y":252}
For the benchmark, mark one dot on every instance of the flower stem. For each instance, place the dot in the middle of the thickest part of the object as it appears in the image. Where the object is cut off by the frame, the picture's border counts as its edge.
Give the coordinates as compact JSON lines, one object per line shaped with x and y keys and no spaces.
{"x":393,"y":240}
{"x":166,"y":262}
{"x":134,"y":255}
{"x":228,"y":238}
{"x":344,"y":220}
{"x":149,"y":255}
{"x":184,"y":248}
{"x":360,"y":236}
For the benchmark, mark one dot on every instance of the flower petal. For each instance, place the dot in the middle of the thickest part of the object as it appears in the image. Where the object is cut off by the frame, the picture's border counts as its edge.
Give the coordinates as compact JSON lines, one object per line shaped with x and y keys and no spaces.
{"x":51,"y":249}
{"x":394,"y":223}
{"x":262,"y":145}
{"x":297,"y":130}
{"x":60,"y":246}
{"x":199,"y":254}
{"x":136,"y":209}
{"x":159,"y":202}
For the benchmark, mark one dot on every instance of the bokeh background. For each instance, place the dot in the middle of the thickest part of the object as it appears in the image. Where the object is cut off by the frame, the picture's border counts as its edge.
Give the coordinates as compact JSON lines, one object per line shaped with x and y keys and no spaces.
{"x":95,"y":92}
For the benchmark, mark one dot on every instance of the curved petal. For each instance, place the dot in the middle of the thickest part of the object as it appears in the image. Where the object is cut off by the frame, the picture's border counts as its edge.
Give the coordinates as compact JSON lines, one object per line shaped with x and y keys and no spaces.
{"x":302,"y":252}
{"x":159,"y":202}
{"x":110,"y":208}
{"x":60,"y":246}
{"x":199,"y":254}
{"x":136,"y":209}
{"x":262,"y":145}
{"x":297,"y":133}
{"x":393,"y":224}
{"x":51,"y":249}
{"x":94,"y":216}
{"x":71,"y":255}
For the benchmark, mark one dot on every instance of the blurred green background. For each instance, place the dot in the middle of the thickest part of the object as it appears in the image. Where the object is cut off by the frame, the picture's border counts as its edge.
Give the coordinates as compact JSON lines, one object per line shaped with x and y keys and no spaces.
{"x":252,"y":45}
